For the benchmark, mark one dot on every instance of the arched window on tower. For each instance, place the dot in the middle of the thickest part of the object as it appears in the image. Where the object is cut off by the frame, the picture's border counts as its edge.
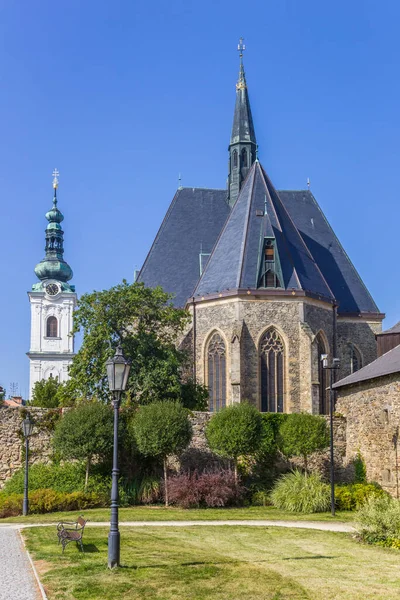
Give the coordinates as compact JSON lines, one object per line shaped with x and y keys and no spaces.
{"x":355,"y":359}
{"x":322,"y":377}
{"x":272,"y":356}
{"x":52,"y":327}
{"x":235,"y":158}
{"x":244,"y":158}
{"x":216,"y":372}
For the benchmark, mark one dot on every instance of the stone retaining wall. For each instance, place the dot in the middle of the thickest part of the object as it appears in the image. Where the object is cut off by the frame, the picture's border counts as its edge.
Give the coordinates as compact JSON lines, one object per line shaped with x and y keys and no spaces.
{"x":12,"y":443}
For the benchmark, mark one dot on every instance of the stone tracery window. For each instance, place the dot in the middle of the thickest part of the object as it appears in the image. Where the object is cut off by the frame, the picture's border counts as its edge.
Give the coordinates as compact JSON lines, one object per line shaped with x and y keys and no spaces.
{"x":272,"y":353}
{"x":52,"y":327}
{"x":235,"y":158}
{"x":355,"y":359}
{"x":216,"y":363}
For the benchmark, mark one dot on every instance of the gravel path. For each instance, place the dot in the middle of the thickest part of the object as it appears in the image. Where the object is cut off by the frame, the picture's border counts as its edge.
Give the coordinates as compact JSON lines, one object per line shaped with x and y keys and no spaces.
{"x":320,"y":525}
{"x":17,"y":581}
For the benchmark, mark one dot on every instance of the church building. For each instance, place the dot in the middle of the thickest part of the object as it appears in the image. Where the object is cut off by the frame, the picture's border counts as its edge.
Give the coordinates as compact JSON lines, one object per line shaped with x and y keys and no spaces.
{"x":267,"y":282}
{"x":53,"y":301}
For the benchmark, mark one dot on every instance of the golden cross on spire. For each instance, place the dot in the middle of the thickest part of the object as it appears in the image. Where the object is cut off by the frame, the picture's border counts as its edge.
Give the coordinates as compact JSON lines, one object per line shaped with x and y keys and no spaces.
{"x":55,"y":178}
{"x":241,"y":47}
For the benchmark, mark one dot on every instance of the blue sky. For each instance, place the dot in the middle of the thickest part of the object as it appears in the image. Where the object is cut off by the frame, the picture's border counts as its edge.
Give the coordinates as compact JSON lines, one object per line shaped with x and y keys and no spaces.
{"x":123,"y":96}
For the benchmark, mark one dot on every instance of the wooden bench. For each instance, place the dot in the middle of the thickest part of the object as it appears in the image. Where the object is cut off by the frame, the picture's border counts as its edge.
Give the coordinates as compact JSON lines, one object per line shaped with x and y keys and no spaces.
{"x":71,"y":531}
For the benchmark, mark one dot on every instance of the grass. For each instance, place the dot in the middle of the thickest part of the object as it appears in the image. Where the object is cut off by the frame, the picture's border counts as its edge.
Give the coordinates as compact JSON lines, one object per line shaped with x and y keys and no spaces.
{"x":222,"y":563}
{"x":159,"y":513}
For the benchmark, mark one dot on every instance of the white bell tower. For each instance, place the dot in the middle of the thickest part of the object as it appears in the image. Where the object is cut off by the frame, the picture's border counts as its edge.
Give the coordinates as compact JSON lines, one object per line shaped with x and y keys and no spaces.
{"x":53,"y":301}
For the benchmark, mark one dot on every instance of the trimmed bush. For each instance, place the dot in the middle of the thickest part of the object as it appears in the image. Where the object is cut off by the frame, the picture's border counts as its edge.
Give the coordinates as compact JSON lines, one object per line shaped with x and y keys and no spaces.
{"x":161,"y":429}
{"x":68,"y":478}
{"x":301,"y":434}
{"x":235,"y":431}
{"x":44,"y":501}
{"x":299,"y":492}
{"x":84,"y":433}
{"x":352,"y":497}
{"x":378,"y":521}
{"x":214,"y":489}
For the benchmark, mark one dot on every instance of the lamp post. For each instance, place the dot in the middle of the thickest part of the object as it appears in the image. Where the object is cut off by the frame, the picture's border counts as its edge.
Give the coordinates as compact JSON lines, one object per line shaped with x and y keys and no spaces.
{"x":117,"y":373}
{"x":332,"y":368}
{"x":27,"y":428}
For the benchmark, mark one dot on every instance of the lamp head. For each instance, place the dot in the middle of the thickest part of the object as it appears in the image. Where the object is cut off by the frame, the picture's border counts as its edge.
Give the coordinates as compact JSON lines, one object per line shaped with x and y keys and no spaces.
{"x":27,"y":426}
{"x":118,"y":371}
{"x":324,"y":360}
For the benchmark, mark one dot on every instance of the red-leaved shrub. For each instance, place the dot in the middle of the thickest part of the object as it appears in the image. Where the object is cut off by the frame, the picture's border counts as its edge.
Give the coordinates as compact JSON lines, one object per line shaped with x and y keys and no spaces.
{"x":210,"y":489}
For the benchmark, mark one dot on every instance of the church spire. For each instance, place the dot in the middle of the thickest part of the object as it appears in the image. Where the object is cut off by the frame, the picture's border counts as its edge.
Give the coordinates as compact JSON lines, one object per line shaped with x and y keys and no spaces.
{"x":53,"y":266}
{"x":243,"y":145}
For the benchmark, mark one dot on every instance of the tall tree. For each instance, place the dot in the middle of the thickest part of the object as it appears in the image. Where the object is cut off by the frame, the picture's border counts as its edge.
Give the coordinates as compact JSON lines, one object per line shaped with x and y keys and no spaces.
{"x":147,"y":325}
{"x":45,"y":393}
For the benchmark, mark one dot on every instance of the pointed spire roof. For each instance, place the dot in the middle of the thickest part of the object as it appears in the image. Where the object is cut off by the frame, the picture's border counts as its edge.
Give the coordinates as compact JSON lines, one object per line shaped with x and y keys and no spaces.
{"x":53,"y":266}
{"x":235,"y":261}
{"x":243,"y":127}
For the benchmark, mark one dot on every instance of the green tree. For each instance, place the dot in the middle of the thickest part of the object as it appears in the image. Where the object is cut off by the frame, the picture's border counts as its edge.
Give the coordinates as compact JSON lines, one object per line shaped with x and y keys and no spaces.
{"x":85,"y":432}
{"x":148,"y":327}
{"x":45,"y":393}
{"x":301,"y":434}
{"x":161,"y":429}
{"x":235,"y":431}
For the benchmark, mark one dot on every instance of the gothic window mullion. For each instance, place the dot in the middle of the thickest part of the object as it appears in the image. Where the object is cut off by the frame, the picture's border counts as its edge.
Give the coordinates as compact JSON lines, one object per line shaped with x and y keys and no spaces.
{"x":272,"y":372}
{"x":216,"y":358}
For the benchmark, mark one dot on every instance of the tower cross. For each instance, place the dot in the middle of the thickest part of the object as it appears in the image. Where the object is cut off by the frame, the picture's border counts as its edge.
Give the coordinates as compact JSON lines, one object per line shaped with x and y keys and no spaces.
{"x":241,"y":47}
{"x":55,"y":178}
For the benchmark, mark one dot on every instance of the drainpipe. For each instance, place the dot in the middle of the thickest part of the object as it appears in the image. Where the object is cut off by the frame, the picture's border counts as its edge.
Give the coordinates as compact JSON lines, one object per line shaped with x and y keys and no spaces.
{"x":194,"y":341}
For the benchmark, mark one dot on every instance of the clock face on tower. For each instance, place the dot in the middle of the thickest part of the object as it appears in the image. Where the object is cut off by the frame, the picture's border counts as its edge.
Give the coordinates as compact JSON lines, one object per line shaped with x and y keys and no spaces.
{"x":52,"y":289}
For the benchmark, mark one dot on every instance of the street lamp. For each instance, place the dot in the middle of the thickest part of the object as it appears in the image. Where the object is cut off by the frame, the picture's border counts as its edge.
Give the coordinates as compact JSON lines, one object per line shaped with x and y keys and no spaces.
{"x":27,"y":428}
{"x":117,"y":373}
{"x":332,"y":368}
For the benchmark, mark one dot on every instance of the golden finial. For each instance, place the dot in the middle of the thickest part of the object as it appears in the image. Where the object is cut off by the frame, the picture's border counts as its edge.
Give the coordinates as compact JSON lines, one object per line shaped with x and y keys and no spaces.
{"x":55,"y":178}
{"x":241,"y":84}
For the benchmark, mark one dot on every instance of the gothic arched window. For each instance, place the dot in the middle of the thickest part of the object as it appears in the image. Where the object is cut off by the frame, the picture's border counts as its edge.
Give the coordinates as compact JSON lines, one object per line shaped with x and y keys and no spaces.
{"x":272,"y":354}
{"x":355,"y":359}
{"x":235,"y":158}
{"x":322,"y":378}
{"x":52,"y":327}
{"x":244,"y":157}
{"x":216,"y":363}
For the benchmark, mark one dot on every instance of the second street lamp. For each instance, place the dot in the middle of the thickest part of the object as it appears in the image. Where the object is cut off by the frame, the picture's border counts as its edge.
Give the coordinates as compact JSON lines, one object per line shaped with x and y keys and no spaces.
{"x":117,"y":373}
{"x":27,"y":428}
{"x":332,"y":368}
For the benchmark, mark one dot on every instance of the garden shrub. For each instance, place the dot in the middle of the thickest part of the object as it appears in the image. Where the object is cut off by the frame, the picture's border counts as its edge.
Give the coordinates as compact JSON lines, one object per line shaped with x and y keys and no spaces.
{"x":45,"y":500}
{"x":352,"y":497}
{"x":301,"y":434}
{"x":299,"y":492}
{"x":144,"y":490}
{"x":208,"y":489}
{"x":69,"y":477}
{"x":360,"y":469}
{"x":378,"y":521}
{"x":261,"y":498}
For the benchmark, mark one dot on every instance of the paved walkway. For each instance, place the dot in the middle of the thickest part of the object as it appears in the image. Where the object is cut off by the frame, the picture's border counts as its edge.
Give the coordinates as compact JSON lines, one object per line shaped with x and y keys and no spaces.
{"x":320,"y":525}
{"x":17,"y":581}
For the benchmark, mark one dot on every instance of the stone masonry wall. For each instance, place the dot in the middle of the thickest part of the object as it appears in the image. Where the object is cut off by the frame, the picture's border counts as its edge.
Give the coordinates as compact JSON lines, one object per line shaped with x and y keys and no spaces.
{"x":362,"y":335}
{"x":12,"y":442}
{"x":372,"y":412}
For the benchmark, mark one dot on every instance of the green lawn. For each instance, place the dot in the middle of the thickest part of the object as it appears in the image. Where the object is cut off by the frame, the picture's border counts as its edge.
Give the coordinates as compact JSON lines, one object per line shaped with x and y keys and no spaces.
{"x":159,"y":513}
{"x":222,"y":563}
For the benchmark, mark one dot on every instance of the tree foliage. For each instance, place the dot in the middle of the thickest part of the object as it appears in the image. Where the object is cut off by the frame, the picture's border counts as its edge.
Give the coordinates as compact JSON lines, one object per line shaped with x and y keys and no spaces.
{"x":161,"y":429}
{"x":147,"y":325}
{"x":46,"y":393}
{"x":85,"y":432}
{"x":301,"y":434}
{"x":235,"y":431}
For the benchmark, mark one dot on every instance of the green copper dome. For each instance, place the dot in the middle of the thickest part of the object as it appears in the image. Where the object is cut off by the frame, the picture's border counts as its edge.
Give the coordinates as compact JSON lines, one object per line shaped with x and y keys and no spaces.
{"x":53,"y":266}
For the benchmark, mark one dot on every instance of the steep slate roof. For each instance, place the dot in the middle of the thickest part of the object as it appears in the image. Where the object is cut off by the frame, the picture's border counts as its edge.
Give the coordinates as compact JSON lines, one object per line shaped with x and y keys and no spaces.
{"x":339,"y":272}
{"x":235,"y":261}
{"x":243,"y":127}
{"x":192,"y":223}
{"x":384,"y":365}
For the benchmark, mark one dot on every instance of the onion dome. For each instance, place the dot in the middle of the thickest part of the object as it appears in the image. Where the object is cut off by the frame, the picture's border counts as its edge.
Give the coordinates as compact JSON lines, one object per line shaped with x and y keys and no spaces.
{"x":53,"y":266}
